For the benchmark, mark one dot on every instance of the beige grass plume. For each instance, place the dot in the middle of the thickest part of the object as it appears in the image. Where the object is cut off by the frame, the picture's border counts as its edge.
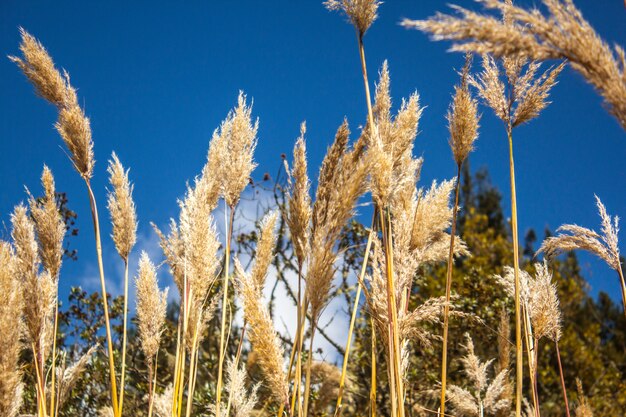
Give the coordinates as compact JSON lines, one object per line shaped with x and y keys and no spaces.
{"x":262,"y":334}
{"x":39,"y":288}
{"x":299,"y":199}
{"x":483,"y":397}
{"x":360,"y":13}
{"x":243,"y":401}
{"x":73,"y":126}
{"x":393,"y":168}
{"x":163,"y":402}
{"x":522,"y":97}
{"x":191,"y":247}
{"x":583,"y":409}
{"x":545,"y":313}
{"x":561,"y":34}
{"x":122,"y":208}
{"x":463,"y":117}
{"x":11,"y":327}
{"x":341,"y":182}
{"x":234,"y":144}
{"x":49,"y":225}
{"x":68,"y":377}
{"x":605,"y":245}
{"x":151,"y":307}
{"x":265,"y":248}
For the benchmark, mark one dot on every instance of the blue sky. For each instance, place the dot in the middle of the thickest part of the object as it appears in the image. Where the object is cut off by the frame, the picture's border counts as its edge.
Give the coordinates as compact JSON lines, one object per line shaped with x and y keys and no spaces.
{"x":156,"y":78}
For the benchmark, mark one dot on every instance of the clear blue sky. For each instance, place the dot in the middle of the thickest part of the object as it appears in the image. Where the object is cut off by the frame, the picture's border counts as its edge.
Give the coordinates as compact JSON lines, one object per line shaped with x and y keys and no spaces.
{"x":157,"y":77}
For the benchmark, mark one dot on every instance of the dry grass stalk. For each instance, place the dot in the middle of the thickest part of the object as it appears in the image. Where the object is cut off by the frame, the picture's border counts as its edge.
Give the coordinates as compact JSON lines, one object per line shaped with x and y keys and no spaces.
{"x":562,"y":34}
{"x":75,"y":130}
{"x":542,"y":315}
{"x":39,"y":292}
{"x":50,"y":229}
{"x":151,"y":310}
{"x":233,"y":145}
{"x":504,"y":360}
{"x":516,"y":96}
{"x":463,"y":127}
{"x":262,"y":335}
{"x":124,"y":219}
{"x":341,"y":182}
{"x":11,"y":328}
{"x":484,"y":397}
{"x":263,"y":258}
{"x":298,"y":220}
{"x":605,"y":245}
{"x":191,"y":250}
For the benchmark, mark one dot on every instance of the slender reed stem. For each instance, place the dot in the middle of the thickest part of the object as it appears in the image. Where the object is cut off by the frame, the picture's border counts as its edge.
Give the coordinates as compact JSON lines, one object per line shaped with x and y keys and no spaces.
{"x":373,"y":376}
{"x":123,"y":374}
{"x":150,"y":390}
{"x":193,"y":360}
{"x":558,"y":357}
{"x":96,"y":227}
{"x":535,"y":372}
{"x":296,"y":351}
{"x":519,"y":370}
{"x":532,"y":357}
{"x":41,"y":391}
{"x":623,"y":283}
{"x":309,"y":362}
{"x":229,"y":228}
{"x":355,"y":308}
{"x":446,"y":309}
{"x":54,"y":356}
{"x":394,"y":339}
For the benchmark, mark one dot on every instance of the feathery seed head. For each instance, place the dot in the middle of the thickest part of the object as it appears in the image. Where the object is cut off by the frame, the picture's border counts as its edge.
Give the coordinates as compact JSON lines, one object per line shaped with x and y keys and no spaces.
{"x":38,"y":289}
{"x":361,"y":13}
{"x":583,"y":409}
{"x":528,"y":34}
{"x":573,"y":237}
{"x":243,"y":402}
{"x":463,"y":118}
{"x":39,"y":68}
{"x":49,"y":225}
{"x":545,"y":313}
{"x":75,"y":130}
{"x":151,"y":307}
{"x":122,"y":208}
{"x":68,"y":377}
{"x":262,"y":334}
{"x":299,"y":199}
{"x":11,"y":304}
{"x":234,"y":143}
{"x":265,"y":248}
{"x":72,"y":125}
